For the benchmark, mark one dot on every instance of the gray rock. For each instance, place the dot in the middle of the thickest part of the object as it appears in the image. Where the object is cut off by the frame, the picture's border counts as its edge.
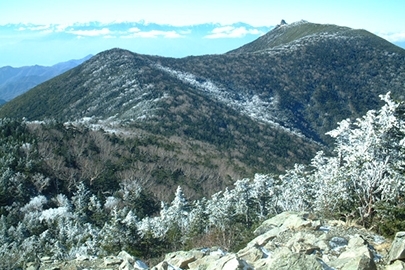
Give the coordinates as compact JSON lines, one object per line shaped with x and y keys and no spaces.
{"x":139,"y":265}
{"x":262,"y":239}
{"x":284,"y":259}
{"x":32,"y":266}
{"x":356,"y":263}
{"x":229,"y":262}
{"x":112,"y":260}
{"x":204,"y":262}
{"x":46,"y":259}
{"x":357,"y":256}
{"x":165,"y":266}
{"x":125,"y":256}
{"x":81,"y":258}
{"x":126,"y":265}
{"x":337,"y":243}
{"x":397,"y":250}
{"x":287,"y":241}
{"x":289,"y":220}
{"x":303,"y":242}
{"x":181,"y":259}
{"x":396,"y":265}
{"x":251,"y":254}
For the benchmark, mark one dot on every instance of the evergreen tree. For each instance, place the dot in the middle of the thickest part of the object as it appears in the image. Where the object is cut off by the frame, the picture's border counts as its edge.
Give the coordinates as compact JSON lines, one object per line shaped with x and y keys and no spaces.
{"x":80,"y":201}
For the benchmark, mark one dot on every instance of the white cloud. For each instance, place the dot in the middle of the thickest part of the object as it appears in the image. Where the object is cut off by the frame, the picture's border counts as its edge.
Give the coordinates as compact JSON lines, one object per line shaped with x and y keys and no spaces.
{"x":91,"y":33}
{"x":44,"y":29}
{"x":185,"y":32}
{"x":136,"y":32}
{"x":39,"y":27}
{"x":393,"y":37}
{"x":232,"y":32}
{"x":61,"y":27}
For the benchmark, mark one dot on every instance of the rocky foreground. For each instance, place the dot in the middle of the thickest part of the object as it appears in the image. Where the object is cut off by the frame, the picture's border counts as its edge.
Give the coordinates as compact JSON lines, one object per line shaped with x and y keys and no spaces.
{"x":286,"y":241}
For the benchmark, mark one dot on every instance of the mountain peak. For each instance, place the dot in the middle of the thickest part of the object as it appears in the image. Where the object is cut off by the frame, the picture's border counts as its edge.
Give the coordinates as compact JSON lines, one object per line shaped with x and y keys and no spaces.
{"x":285,"y":33}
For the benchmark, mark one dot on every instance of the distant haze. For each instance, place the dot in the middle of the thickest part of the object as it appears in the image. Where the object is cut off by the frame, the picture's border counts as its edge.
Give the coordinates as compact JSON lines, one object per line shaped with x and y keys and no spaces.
{"x":30,"y":44}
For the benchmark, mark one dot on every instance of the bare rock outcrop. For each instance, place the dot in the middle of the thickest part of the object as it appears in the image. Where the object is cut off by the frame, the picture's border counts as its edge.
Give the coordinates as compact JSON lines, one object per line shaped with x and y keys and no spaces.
{"x":296,"y":241}
{"x":286,"y":241}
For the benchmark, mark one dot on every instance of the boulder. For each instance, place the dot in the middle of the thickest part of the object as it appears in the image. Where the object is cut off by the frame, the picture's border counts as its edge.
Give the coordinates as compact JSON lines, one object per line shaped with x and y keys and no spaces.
{"x":203,"y":263}
{"x":229,"y":262}
{"x":284,"y":258}
{"x":32,"y":266}
{"x":303,"y":242}
{"x":165,"y":266}
{"x":81,"y":258}
{"x":337,"y":243}
{"x":129,"y":262}
{"x":396,"y":265}
{"x":287,"y":220}
{"x":181,"y":259}
{"x":112,"y":260}
{"x":140,"y":265}
{"x":46,"y":259}
{"x":126,"y":265}
{"x":251,"y":254}
{"x":262,"y":239}
{"x":397,"y":250}
{"x":291,"y":241}
{"x":357,"y":256}
{"x":125,"y":256}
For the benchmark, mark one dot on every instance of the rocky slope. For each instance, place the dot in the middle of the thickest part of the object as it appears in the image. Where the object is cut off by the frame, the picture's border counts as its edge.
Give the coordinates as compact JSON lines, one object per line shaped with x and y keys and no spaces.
{"x":286,"y":241}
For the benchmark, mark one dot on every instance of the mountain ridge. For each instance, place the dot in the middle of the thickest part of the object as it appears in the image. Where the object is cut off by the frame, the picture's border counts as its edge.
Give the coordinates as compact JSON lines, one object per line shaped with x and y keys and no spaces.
{"x":262,"y":110}
{"x":15,"y":81}
{"x":308,"y":41}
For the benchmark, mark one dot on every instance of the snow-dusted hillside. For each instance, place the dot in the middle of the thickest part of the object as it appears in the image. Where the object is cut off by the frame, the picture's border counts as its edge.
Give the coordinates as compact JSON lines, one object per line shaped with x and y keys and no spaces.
{"x":291,"y":85}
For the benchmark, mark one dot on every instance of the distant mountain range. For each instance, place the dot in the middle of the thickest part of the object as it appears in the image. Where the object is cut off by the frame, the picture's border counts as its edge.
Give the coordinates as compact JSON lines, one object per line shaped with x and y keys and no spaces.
{"x":259,"y":108}
{"x":15,"y":81}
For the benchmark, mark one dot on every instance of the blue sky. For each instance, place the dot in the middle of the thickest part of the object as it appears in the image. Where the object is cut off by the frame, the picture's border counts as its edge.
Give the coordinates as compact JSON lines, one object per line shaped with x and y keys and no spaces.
{"x":46,"y":32}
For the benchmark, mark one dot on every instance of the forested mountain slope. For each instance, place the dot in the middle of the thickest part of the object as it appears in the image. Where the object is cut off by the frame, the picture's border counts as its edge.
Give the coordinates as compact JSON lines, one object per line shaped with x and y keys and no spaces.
{"x":86,"y":157}
{"x":259,"y":108}
{"x":303,"y":76}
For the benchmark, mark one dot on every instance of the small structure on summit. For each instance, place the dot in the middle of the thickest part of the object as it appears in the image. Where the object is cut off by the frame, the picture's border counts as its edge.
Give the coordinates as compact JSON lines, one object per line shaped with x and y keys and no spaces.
{"x":282,"y":23}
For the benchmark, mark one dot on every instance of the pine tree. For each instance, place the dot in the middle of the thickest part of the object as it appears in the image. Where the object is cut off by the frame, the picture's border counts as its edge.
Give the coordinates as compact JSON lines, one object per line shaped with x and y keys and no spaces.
{"x":80,"y":201}
{"x":264,"y":192}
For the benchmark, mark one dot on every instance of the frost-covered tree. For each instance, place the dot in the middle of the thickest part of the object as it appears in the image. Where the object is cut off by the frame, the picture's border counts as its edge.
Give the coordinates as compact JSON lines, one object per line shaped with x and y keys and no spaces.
{"x":198,"y":218}
{"x":296,"y":192}
{"x":220,"y":210}
{"x":266,"y":191}
{"x":331,"y":190}
{"x":80,"y":201}
{"x":175,"y":217}
{"x":244,"y":201}
{"x":368,"y":166}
